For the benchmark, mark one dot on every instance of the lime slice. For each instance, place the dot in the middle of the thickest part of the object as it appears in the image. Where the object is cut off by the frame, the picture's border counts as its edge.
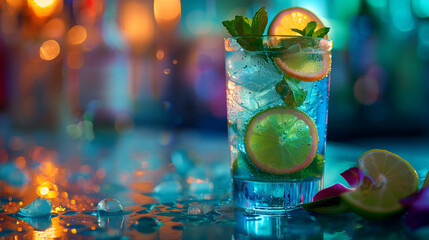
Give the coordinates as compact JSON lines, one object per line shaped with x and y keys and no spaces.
{"x":394,"y":179}
{"x":295,"y":17}
{"x":281,"y":140}
{"x":307,"y":65}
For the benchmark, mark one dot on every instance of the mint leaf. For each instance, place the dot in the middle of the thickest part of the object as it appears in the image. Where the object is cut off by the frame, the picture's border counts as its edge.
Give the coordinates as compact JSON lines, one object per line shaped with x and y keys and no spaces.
{"x":321,"y":32}
{"x":259,"y":22}
{"x":249,"y":29}
{"x":298,"y":31}
{"x":309,"y":29}
{"x":290,"y":92}
{"x":229,"y":25}
{"x":243,"y":25}
{"x":296,"y":94}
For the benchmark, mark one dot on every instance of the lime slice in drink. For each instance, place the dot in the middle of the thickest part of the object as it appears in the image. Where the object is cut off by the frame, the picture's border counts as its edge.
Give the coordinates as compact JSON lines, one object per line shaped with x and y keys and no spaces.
{"x":306,"y":64}
{"x":294,"y":17}
{"x":394,"y":179}
{"x":281,"y":140}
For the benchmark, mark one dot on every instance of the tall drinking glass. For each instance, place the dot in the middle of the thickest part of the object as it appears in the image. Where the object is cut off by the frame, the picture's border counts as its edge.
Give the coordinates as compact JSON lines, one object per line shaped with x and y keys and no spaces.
{"x":277,"y":101}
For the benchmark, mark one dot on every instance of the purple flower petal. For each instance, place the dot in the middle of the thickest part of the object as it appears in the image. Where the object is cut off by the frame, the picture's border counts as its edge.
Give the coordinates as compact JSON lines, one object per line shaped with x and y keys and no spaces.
{"x":418,"y":212}
{"x":421,"y":201}
{"x":332,"y":191}
{"x":408,"y":201}
{"x":354,"y":176}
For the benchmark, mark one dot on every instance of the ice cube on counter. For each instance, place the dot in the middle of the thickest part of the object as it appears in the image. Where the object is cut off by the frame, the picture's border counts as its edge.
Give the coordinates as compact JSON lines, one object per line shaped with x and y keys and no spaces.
{"x":41,"y":207}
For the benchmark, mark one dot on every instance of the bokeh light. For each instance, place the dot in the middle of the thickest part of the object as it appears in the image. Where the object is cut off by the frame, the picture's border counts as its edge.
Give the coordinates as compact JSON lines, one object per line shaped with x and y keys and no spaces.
{"x":167,"y":13}
{"x":136,"y":22}
{"x":160,"y":54}
{"x":49,"y":50}
{"x":43,"y":3}
{"x":45,"y":8}
{"x":47,"y":190}
{"x":44,"y":191}
{"x":77,"y":35}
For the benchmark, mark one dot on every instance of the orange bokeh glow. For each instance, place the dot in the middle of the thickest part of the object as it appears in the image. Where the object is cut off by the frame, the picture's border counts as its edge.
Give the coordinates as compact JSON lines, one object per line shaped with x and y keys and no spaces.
{"x":47,"y":190}
{"x":167,"y":13}
{"x":49,"y":50}
{"x":160,"y":54}
{"x":135,"y":20}
{"x":45,"y":8}
{"x":77,"y":35}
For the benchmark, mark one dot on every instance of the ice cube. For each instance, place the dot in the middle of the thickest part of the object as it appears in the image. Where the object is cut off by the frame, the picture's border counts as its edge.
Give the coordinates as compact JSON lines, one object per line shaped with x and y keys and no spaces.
{"x":41,"y":207}
{"x":243,"y":104}
{"x":252,"y":71}
{"x":181,"y":161}
{"x":195,"y":210}
{"x":167,"y":188}
{"x":110,"y":206}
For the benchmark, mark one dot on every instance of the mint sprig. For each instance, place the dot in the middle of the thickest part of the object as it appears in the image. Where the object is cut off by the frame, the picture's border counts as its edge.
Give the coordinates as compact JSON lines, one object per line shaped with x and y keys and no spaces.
{"x":251,"y":29}
{"x":290,"y":92}
{"x":309,"y":30}
{"x":259,"y":22}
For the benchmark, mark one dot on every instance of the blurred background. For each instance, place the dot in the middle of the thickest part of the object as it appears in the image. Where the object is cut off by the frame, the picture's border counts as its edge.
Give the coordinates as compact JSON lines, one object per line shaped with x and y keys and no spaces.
{"x":75,"y":66}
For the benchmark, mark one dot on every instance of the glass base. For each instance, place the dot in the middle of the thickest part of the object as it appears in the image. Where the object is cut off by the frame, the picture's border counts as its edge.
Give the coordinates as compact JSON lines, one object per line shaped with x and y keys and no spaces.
{"x":273,"y":197}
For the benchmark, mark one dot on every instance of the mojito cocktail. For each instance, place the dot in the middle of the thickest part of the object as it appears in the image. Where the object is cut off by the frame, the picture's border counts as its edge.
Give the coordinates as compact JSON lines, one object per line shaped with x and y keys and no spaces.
{"x":277,"y":101}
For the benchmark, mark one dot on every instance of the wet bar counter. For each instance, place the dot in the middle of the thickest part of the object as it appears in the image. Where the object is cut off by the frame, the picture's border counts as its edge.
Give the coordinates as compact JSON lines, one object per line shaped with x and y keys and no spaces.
{"x":170,"y":185}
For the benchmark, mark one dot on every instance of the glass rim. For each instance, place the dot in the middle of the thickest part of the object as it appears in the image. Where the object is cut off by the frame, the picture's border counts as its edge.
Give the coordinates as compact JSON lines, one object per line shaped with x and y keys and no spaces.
{"x":278,"y":36}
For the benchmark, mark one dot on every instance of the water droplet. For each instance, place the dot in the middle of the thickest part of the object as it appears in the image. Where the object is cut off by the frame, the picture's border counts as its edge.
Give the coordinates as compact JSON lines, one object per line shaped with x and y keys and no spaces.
{"x":110,"y":206}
